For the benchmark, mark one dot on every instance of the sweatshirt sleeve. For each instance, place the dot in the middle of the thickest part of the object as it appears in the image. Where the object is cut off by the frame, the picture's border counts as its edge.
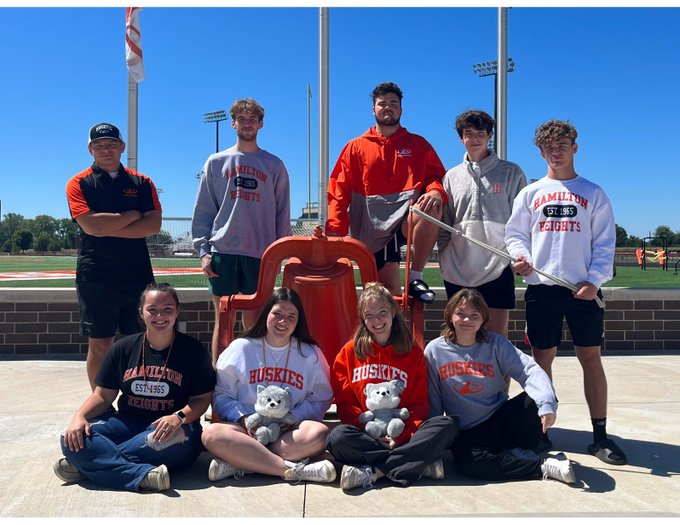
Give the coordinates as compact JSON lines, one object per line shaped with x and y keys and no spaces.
{"x":434,"y":172}
{"x":518,"y":229}
{"x":528,"y":373}
{"x":319,"y":393}
{"x":340,"y":193}
{"x":433,"y":384}
{"x":282,"y":196}
{"x":415,"y":397}
{"x":348,"y":405}
{"x":603,"y":230}
{"x":225,"y":398}
{"x":205,"y":211}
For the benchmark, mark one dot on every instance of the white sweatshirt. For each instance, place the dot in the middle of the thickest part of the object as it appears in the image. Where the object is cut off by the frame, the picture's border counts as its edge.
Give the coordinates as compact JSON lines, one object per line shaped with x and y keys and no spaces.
{"x":565,"y":228}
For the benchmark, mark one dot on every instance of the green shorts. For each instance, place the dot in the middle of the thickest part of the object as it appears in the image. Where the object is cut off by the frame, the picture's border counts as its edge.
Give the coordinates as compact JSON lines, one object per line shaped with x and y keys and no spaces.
{"x":237,"y":274}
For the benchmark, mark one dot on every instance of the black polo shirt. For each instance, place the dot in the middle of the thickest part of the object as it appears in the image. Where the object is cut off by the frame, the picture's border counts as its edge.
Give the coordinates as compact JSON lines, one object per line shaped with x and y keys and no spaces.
{"x":112,"y":259}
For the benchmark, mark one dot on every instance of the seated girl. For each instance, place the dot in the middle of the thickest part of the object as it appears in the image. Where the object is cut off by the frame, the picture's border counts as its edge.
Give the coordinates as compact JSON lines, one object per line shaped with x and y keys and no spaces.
{"x":499,"y":437}
{"x":277,"y":350}
{"x":383,"y":350}
{"x":166,"y":380}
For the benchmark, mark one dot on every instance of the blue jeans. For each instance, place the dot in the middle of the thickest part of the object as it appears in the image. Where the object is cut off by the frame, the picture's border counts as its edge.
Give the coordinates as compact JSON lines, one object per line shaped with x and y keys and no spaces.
{"x":115,"y":455}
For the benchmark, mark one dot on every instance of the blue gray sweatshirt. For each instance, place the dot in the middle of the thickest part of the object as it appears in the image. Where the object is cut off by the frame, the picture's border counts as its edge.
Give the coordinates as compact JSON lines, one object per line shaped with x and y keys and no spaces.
{"x":468,"y":381}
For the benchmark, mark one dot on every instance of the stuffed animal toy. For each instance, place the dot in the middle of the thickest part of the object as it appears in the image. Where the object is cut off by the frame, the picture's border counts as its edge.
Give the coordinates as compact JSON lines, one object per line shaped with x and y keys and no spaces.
{"x":272,"y":409}
{"x":383,"y":418}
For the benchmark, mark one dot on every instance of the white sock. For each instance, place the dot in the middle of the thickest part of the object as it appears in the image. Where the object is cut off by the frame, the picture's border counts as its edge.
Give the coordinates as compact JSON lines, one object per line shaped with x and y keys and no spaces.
{"x":413,"y":275}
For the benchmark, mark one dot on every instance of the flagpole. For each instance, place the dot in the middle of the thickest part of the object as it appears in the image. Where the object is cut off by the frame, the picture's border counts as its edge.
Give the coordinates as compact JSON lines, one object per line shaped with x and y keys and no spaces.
{"x":323,"y":114}
{"x":309,"y":151}
{"x":132,"y":124}
{"x":135,"y":67}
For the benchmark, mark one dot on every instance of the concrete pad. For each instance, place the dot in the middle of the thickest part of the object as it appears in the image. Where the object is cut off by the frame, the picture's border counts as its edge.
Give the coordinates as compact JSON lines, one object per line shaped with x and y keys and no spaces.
{"x":39,"y":398}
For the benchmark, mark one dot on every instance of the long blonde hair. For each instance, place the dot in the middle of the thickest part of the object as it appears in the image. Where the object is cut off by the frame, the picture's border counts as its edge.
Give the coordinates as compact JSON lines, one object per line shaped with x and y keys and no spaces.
{"x":400,"y":338}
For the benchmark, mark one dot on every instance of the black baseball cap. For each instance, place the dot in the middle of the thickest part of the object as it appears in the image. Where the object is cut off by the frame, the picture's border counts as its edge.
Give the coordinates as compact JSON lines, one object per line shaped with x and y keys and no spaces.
{"x":104,"y":131}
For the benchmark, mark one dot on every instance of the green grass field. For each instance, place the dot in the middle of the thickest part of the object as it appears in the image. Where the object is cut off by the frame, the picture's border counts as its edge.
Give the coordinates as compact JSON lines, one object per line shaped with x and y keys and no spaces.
{"x":626,"y":276}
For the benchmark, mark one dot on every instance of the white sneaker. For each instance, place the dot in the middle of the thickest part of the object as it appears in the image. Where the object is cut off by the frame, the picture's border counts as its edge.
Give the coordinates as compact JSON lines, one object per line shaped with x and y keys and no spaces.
{"x":219,"y":469}
{"x":434,"y":470}
{"x":319,"y":471}
{"x":157,"y":478}
{"x":523,"y":453}
{"x":560,"y":470}
{"x":352,"y":477}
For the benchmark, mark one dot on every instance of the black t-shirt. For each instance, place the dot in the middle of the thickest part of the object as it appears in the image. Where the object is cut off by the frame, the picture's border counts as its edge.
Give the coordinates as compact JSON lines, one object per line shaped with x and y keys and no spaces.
{"x":189,"y":372}
{"x":112,"y":259}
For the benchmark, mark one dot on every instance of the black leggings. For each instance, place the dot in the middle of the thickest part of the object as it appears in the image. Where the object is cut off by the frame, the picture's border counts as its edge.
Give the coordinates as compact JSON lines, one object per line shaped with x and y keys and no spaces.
{"x":403,"y":464}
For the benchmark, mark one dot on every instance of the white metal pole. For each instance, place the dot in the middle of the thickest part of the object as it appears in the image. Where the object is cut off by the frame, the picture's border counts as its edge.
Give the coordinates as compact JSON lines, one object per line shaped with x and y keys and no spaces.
{"x":502,"y":85}
{"x":323,"y":113}
{"x":131,"y":143}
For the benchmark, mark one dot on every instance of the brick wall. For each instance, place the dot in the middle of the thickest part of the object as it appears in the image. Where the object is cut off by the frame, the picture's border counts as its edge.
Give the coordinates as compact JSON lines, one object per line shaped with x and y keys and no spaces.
{"x":43,"y":322}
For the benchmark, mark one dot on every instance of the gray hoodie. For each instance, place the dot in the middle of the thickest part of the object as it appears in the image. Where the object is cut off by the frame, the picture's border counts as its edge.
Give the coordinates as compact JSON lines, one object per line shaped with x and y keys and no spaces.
{"x":479,"y":205}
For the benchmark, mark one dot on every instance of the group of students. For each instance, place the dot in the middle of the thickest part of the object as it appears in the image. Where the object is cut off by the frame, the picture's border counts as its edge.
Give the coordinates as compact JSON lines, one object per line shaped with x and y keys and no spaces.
{"x":166,"y":382}
{"x":455,"y":388}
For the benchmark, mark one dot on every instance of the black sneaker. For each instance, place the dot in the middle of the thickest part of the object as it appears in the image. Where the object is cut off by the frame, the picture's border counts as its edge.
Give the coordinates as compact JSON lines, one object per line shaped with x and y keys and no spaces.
{"x":418,"y":289}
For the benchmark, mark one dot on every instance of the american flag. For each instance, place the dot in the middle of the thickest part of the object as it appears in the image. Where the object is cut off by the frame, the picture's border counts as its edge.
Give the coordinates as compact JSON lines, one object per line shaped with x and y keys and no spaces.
{"x":133,"y":44}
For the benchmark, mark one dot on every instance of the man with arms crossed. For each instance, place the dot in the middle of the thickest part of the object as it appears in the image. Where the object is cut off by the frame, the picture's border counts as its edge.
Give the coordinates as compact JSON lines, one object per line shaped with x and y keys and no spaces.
{"x":116,"y":209}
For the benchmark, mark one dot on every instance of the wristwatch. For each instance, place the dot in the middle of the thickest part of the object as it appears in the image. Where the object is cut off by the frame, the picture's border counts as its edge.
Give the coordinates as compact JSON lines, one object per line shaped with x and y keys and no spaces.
{"x":182,"y":416}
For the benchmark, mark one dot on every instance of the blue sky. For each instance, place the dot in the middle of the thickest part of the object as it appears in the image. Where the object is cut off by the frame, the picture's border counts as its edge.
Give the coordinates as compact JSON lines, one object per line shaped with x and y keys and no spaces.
{"x":612,"y":71}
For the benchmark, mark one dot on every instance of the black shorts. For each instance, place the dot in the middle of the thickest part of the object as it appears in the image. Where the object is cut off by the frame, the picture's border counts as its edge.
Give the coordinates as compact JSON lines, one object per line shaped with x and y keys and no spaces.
{"x":391,"y":252}
{"x":499,"y":293}
{"x":547,"y":306}
{"x":105,"y":308}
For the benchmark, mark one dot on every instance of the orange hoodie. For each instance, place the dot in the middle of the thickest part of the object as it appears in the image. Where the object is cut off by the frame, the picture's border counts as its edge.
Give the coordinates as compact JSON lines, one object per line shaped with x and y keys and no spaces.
{"x":374,"y":178}
{"x":351,"y":375}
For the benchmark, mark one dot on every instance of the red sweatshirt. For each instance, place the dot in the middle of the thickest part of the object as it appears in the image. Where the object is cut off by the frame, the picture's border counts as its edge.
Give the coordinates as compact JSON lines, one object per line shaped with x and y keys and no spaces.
{"x":351,"y":375}
{"x":375,"y":177}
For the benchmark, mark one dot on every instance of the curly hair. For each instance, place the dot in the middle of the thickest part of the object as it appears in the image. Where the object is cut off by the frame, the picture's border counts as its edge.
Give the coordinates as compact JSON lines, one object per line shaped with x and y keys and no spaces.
{"x":475,"y":299}
{"x":384,"y":88}
{"x":474,"y":118}
{"x":553,"y":130}
{"x":400,"y":338}
{"x":246,"y":104}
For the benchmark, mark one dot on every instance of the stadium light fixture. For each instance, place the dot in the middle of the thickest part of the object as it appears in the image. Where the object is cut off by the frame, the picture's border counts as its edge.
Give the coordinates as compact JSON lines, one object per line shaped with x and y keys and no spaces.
{"x":487,"y":69}
{"x":216,"y":117}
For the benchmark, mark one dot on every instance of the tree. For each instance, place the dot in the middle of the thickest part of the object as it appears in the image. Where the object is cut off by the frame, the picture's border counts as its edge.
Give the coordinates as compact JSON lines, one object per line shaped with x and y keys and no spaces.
{"x":42,"y":242}
{"x":665,"y":231}
{"x":10,"y":224}
{"x":68,"y":233}
{"x":621,"y":236}
{"x":23,"y":239}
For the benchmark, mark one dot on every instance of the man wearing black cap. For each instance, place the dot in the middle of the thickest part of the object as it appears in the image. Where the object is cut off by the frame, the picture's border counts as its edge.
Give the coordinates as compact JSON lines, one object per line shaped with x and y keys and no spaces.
{"x":116,"y":209}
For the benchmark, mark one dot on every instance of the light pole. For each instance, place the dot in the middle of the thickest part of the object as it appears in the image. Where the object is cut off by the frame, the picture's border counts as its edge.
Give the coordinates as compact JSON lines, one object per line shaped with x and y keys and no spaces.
{"x":487,"y":69}
{"x":216,"y":117}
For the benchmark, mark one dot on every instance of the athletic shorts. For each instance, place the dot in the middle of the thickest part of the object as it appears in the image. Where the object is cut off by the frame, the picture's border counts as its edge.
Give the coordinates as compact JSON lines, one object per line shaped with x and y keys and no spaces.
{"x":391,"y":251}
{"x":499,"y":293}
{"x":237,"y":274}
{"x":547,"y":306}
{"x":105,"y":308}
